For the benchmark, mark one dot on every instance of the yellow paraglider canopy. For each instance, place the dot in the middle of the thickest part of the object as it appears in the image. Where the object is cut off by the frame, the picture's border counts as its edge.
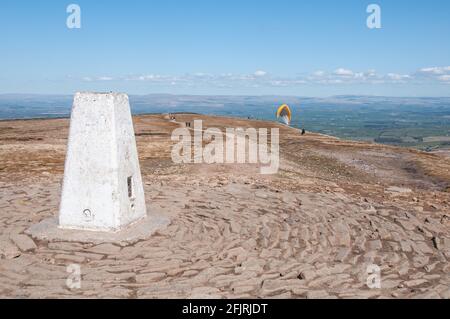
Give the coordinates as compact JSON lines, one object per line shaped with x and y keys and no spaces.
{"x":285,"y":113}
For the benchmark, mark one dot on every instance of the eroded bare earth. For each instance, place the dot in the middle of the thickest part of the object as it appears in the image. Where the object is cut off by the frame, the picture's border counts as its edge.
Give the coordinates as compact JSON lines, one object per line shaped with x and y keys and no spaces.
{"x":311,"y":230}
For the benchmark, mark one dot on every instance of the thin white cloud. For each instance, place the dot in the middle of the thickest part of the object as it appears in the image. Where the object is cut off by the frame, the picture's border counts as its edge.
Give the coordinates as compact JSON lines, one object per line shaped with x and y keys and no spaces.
{"x":319,"y":73}
{"x":105,"y":78}
{"x":440,"y":74}
{"x":398,"y":77}
{"x":343,"y":72}
{"x":436,"y":70}
{"x":98,"y":78}
{"x":371,"y":72}
{"x":146,"y":77}
{"x":260,"y":78}
{"x":260,"y":73}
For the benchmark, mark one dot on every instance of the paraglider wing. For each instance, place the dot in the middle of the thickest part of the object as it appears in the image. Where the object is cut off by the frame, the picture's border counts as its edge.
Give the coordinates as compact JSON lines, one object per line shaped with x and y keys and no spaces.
{"x":284,"y":113}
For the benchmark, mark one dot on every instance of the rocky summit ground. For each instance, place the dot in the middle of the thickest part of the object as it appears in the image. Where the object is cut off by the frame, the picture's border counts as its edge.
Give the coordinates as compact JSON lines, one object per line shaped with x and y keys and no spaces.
{"x":311,"y":231}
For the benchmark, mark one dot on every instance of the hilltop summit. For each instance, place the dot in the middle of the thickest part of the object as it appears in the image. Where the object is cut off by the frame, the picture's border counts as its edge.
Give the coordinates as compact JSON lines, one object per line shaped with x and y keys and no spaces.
{"x":312,"y":230}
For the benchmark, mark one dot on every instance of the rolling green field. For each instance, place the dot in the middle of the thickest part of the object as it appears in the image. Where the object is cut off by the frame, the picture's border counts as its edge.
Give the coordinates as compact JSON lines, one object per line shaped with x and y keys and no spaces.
{"x":411,"y":126}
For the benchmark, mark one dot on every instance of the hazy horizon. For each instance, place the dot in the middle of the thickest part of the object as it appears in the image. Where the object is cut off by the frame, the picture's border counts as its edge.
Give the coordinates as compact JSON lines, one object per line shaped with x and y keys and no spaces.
{"x":406,"y":121}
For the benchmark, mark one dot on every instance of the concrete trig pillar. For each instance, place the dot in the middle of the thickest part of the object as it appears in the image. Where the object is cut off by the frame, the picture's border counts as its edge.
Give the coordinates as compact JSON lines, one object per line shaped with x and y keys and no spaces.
{"x":102,"y":189}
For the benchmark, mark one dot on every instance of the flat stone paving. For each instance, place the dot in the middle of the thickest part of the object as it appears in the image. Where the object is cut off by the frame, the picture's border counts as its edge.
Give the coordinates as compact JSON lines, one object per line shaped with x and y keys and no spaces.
{"x":307,"y":232}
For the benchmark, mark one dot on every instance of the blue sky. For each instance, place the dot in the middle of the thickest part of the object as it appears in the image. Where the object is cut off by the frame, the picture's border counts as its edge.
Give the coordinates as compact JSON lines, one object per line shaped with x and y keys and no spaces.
{"x":246,"y":47}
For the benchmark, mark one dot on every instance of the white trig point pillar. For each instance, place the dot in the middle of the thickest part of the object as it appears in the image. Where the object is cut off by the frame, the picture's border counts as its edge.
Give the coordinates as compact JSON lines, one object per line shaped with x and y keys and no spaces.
{"x":102,"y":189}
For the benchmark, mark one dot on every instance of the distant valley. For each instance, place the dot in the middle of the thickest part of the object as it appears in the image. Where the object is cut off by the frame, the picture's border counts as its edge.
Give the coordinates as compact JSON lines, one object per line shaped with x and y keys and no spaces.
{"x":422,"y":123}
